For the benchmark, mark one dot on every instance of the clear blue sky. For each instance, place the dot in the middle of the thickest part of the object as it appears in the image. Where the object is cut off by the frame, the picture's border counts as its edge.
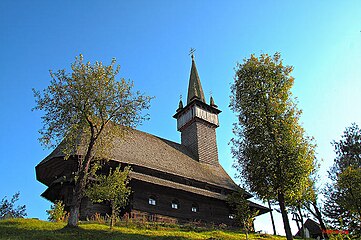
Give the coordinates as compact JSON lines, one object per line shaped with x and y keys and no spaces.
{"x":151,"y":40}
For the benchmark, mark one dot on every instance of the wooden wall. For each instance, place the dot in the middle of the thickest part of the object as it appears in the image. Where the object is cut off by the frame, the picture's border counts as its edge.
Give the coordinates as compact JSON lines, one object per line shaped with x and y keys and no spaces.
{"x":210,"y":210}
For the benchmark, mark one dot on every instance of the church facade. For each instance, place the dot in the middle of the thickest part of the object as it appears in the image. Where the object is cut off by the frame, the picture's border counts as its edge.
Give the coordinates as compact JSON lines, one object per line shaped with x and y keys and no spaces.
{"x":171,"y":182}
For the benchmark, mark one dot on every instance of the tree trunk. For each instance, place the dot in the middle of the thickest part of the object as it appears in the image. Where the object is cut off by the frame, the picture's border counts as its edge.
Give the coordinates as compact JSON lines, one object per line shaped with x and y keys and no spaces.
{"x":112,"y":217}
{"x":73,"y":216}
{"x":75,"y":206}
{"x":111,"y":221}
{"x":76,"y":200}
{"x":319,"y":218}
{"x":301,"y":220}
{"x":245,"y":228}
{"x":273,"y":221}
{"x":286,"y":223}
{"x":296,"y":218}
{"x":80,"y":185}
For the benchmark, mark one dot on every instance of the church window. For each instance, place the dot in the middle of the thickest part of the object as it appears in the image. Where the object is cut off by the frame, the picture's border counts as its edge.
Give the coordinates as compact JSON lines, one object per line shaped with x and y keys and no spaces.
{"x":175,"y":204}
{"x":195,"y":207}
{"x":152,"y":201}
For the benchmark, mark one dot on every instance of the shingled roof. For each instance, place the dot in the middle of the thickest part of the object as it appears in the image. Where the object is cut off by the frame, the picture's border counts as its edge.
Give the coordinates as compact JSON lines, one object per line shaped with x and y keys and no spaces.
{"x":146,"y":150}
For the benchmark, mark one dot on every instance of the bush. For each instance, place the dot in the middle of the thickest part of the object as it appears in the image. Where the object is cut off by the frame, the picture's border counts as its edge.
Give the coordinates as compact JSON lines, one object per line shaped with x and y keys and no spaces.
{"x":8,"y":210}
{"x":57,"y":212}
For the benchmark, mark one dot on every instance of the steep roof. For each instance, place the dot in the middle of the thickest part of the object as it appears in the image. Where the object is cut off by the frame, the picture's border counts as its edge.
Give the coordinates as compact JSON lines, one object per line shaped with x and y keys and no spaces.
{"x":195,"y":86}
{"x":146,"y":150}
{"x":157,"y":153}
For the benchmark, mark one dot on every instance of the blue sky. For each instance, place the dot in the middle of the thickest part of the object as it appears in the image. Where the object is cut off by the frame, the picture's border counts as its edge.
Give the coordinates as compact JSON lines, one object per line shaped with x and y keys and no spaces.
{"x":151,"y":41}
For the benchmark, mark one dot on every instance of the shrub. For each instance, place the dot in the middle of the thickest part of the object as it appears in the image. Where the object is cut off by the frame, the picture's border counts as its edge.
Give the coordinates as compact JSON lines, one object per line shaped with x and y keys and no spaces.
{"x":8,"y":210}
{"x":57,"y":212}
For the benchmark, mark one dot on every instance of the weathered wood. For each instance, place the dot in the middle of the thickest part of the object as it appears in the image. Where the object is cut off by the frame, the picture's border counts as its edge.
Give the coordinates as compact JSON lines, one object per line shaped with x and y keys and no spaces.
{"x":210,"y":210}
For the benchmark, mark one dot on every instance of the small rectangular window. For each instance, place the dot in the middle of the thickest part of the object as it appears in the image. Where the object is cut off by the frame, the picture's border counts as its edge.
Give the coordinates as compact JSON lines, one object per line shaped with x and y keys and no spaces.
{"x":152,"y":201}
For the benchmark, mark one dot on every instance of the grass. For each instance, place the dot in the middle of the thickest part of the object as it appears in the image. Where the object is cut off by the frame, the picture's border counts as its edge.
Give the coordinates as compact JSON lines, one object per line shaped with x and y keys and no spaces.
{"x":27,"y":229}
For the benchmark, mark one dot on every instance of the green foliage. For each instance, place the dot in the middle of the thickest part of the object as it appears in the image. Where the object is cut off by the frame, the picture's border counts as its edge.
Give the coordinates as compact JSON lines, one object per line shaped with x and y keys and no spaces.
{"x":8,"y":209}
{"x":85,"y":111}
{"x":272,"y":153}
{"x":57,"y":212}
{"x":112,"y":188}
{"x":349,"y":182}
{"x":343,"y":194}
{"x":244,"y":215}
{"x":270,"y":146}
{"x":88,"y":104}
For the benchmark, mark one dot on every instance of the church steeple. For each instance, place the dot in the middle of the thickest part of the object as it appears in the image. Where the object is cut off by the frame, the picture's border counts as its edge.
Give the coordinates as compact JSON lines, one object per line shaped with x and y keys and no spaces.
{"x":195,"y":90}
{"x":197,"y":121}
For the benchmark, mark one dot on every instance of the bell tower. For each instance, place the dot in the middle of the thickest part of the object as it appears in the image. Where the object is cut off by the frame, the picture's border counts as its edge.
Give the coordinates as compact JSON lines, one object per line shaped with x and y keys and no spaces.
{"x":197,"y":121}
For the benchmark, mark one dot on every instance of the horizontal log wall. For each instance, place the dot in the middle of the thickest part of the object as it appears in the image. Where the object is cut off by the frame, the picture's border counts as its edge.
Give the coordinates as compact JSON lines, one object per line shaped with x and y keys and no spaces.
{"x":209,"y":210}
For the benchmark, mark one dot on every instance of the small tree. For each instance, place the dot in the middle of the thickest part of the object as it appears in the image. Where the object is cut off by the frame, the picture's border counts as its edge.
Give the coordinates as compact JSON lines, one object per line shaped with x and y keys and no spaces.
{"x":85,"y":111}
{"x":243,"y":214}
{"x":112,"y":188}
{"x":8,"y":209}
{"x":57,"y":212}
{"x":271,"y":150}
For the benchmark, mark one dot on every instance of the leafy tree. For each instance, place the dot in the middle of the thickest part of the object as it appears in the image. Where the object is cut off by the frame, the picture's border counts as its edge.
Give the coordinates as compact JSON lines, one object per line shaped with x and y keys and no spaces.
{"x":8,"y":209}
{"x":271,"y":150}
{"x":244,"y":215}
{"x":343,"y":194}
{"x":112,"y":188}
{"x":85,"y":111}
{"x":57,"y":212}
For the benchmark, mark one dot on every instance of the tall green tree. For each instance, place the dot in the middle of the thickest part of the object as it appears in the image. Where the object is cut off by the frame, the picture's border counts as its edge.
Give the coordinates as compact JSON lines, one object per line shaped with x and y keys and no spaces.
{"x":85,"y":110}
{"x":272,"y":153}
{"x":112,"y":188}
{"x":343,"y":194}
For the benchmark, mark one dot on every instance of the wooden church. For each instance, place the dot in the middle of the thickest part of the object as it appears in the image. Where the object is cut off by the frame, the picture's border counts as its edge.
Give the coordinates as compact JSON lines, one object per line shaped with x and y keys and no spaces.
{"x":171,"y":182}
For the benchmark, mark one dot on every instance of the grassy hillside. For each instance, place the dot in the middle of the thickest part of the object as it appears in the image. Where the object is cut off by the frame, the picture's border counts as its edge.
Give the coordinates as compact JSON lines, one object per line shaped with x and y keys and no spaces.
{"x":35,"y":229}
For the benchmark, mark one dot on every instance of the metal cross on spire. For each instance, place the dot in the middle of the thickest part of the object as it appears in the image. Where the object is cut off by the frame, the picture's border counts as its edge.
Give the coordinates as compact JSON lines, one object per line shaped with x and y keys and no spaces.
{"x":191,"y":52}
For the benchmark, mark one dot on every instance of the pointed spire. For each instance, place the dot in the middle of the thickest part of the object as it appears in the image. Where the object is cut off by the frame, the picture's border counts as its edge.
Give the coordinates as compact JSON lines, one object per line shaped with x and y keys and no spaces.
{"x":194,"y":88}
{"x":180,"y":106}
{"x":212,"y":103}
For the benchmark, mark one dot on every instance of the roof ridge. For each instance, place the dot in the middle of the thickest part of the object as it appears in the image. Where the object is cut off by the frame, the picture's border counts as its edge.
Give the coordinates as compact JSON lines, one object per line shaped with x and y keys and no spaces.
{"x":188,"y":151}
